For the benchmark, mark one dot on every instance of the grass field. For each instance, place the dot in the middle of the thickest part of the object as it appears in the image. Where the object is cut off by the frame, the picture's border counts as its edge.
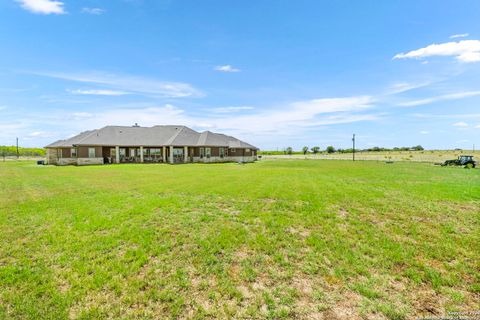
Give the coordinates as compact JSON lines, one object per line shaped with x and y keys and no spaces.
{"x":274,"y":239}
{"x":428,"y":156}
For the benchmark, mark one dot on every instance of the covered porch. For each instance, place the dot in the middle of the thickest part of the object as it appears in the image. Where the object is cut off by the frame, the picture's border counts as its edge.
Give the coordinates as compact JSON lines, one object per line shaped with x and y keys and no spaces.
{"x":142,"y":154}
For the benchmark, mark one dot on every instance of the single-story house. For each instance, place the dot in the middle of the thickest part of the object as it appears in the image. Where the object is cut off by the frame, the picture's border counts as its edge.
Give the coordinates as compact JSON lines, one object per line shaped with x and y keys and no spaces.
{"x":135,"y":144}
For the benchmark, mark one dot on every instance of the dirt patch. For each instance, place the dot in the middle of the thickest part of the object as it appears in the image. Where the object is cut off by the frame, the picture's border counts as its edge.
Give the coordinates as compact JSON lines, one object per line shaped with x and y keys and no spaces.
{"x":343,"y":213}
{"x":428,"y":302}
{"x":345,"y":308}
{"x":94,"y":300}
{"x":300,"y":231}
{"x":227,"y":208}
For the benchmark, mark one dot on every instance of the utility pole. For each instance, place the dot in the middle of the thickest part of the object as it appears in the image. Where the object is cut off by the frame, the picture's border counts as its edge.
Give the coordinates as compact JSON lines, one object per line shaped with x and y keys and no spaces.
{"x":353,"y":141}
{"x":17,"y":149}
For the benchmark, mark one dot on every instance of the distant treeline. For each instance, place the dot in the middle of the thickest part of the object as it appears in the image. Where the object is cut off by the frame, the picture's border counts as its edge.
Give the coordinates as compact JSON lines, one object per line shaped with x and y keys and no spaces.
{"x":331,"y":149}
{"x":7,"y":151}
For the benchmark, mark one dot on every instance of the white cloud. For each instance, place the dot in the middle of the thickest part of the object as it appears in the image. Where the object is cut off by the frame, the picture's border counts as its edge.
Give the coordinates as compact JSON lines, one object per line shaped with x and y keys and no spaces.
{"x":452,"y":96}
{"x":463,"y":51}
{"x":99,"y":92}
{"x":3,"y":107}
{"x":289,"y":119}
{"x":424,"y":132}
{"x":461,"y":35}
{"x":43,"y":6}
{"x":477,"y":126}
{"x":327,"y":105}
{"x":39,"y":134}
{"x":446,"y":116}
{"x":282,"y":122}
{"x":129,"y":83}
{"x":94,"y":11}
{"x":81,"y":115}
{"x":460,"y":124}
{"x":400,"y":87}
{"x":297,"y":116}
{"x":227,"y":68}
{"x":231,"y":109}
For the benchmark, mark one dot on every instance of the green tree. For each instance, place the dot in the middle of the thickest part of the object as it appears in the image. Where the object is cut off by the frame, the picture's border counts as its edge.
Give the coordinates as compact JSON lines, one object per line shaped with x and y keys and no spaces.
{"x":418,"y":148}
{"x":289,"y":150}
{"x":315,"y":150}
{"x":330,"y":149}
{"x":305,"y":150}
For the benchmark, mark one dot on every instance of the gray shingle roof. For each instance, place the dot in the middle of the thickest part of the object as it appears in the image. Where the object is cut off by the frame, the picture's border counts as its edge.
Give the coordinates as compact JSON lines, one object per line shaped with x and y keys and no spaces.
{"x":71,"y":141}
{"x":166,"y":135}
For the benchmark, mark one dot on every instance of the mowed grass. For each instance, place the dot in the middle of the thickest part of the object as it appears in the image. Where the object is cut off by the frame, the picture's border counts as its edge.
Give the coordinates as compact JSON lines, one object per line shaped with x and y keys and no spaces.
{"x":273,"y":239}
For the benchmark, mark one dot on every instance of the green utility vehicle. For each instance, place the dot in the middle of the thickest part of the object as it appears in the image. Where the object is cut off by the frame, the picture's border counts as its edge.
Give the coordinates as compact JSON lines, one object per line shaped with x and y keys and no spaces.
{"x":465,"y":161}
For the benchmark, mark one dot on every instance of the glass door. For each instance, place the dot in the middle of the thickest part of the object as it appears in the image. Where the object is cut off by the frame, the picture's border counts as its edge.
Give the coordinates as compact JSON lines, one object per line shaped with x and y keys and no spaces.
{"x":178,"y":155}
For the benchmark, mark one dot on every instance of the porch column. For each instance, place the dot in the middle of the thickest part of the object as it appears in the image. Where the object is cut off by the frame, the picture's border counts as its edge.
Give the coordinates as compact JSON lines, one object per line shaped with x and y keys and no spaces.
{"x":171,"y":154}
{"x":185,"y":154}
{"x":141,"y":154}
{"x":117,"y":154}
{"x":164,"y":154}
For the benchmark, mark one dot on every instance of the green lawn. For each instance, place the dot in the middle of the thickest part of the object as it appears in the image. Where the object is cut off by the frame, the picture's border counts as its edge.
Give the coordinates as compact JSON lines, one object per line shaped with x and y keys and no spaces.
{"x":273,"y":239}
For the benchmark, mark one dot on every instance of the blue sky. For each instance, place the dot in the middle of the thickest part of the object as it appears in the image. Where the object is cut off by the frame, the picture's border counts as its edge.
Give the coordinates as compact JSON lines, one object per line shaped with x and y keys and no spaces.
{"x":274,"y":73}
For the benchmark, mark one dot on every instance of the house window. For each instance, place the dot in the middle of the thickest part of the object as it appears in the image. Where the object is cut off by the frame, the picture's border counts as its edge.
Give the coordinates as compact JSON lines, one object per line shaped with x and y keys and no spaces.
{"x":132,"y":153}
{"x":91,"y":152}
{"x":202,"y":152}
{"x":208,"y":152}
{"x":222,"y":152}
{"x":247,"y":150}
{"x":232,"y":150}
{"x":155,"y":152}
{"x":59,"y":153}
{"x":73,"y":152}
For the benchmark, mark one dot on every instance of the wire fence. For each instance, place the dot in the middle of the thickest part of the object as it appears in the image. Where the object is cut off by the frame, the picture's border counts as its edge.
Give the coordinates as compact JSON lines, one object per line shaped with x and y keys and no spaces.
{"x":412,"y":156}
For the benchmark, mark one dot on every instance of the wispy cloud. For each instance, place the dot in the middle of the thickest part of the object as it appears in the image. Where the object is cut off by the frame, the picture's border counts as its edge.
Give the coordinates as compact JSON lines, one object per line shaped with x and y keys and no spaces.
{"x":43,"y":6}
{"x":452,"y":96}
{"x":311,"y":113}
{"x":81,"y":115}
{"x":288,"y":120}
{"x":446,"y":116}
{"x":400,"y":87}
{"x":328,"y":105}
{"x":3,"y":107}
{"x":99,"y":92}
{"x":298,"y":115}
{"x":461,"y":35}
{"x":231,"y":109}
{"x":226,"y":68}
{"x":94,"y":11}
{"x":424,"y":132}
{"x":129,"y":83}
{"x":40,"y":134}
{"x":460,"y":124}
{"x":463,"y":51}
